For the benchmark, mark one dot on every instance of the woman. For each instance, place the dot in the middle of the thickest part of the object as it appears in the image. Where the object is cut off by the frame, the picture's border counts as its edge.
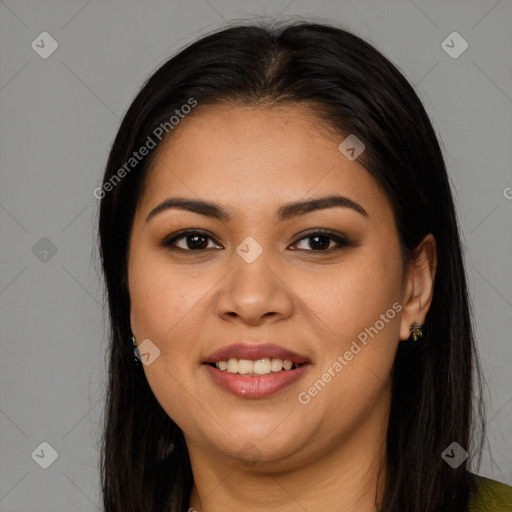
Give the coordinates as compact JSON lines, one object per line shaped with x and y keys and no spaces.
{"x":280,"y":244}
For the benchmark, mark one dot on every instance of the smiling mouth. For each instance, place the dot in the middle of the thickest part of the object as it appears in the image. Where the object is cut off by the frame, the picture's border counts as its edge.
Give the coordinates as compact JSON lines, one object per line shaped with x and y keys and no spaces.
{"x":255,"y":368}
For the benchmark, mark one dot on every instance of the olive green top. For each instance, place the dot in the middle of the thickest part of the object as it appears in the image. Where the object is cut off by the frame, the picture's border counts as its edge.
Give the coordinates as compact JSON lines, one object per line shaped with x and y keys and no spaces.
{"x":490,"y":496}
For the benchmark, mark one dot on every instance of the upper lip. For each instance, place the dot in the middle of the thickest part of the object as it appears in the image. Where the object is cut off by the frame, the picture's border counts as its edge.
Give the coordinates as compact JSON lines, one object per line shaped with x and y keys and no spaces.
{"x":254,"y":352}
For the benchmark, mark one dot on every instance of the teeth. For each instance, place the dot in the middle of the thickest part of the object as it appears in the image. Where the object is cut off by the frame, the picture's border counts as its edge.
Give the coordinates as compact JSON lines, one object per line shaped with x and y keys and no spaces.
{"x":259,"y":367}
{"x":287,"y":365}
{"x":232,"y":366}
{"x":276,"y":365}
{"x":245,"y":366}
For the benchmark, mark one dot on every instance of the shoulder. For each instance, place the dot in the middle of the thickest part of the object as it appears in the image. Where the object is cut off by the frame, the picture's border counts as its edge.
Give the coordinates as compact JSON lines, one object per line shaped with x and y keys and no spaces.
{"x":490,"y":495}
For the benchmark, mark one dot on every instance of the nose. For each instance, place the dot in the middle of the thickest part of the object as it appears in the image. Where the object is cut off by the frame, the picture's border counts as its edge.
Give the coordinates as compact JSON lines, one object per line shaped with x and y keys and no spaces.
{"x":255,"y":293}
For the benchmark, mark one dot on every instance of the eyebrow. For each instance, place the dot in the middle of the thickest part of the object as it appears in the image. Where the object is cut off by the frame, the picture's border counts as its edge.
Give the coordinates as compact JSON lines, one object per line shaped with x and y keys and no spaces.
{"x":285,"y":212}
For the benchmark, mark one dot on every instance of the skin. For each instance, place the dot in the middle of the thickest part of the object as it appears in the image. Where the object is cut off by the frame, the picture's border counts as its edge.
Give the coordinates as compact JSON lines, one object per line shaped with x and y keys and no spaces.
{"x":323,"y":455}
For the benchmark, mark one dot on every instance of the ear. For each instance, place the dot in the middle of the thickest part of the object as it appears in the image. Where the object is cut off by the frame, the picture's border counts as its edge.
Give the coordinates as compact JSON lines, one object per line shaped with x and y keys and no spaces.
{"x":419,"y":285}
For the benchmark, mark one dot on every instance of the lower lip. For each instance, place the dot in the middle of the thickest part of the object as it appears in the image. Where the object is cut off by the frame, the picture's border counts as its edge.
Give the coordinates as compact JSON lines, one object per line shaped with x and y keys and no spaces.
{"x":255,"y":386}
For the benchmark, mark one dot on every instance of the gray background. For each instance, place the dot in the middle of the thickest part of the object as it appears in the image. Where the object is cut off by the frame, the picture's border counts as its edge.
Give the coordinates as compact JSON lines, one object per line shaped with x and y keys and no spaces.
{"x":58,"y":117}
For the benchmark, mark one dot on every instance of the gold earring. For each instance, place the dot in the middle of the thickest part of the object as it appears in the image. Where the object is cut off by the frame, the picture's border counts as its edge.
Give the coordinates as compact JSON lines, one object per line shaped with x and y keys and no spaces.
{"x":415,"y":329}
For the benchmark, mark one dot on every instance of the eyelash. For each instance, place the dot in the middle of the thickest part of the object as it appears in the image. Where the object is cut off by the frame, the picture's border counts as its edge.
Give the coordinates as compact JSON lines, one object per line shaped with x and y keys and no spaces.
{"x":342,"y":242}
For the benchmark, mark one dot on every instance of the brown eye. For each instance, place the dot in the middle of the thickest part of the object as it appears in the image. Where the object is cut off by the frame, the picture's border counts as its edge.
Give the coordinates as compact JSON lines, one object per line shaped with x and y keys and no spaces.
{"x":320,"y":241}
{"x":193,"y":241}
{"x":199,"y":241}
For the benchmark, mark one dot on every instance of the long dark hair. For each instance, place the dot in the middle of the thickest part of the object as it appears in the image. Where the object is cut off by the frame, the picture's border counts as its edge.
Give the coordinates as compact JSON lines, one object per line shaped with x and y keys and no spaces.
{"x":437,"y":386}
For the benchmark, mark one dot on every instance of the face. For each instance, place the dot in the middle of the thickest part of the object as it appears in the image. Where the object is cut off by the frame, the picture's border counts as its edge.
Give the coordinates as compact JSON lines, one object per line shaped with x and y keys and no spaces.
{"x":261,"y":275}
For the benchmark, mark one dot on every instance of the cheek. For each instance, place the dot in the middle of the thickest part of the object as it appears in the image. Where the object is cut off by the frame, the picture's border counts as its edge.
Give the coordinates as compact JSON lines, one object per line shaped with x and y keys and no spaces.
{"x":163,"y":302}
{"x":165,"y":308}
{"x":354,"y":372}
{"x":356,"y":295}
{"x":361,"y":306}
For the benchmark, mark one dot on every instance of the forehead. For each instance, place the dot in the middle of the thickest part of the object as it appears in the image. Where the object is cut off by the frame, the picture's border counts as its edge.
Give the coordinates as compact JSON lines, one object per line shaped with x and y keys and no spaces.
{"x":242,"y":155}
